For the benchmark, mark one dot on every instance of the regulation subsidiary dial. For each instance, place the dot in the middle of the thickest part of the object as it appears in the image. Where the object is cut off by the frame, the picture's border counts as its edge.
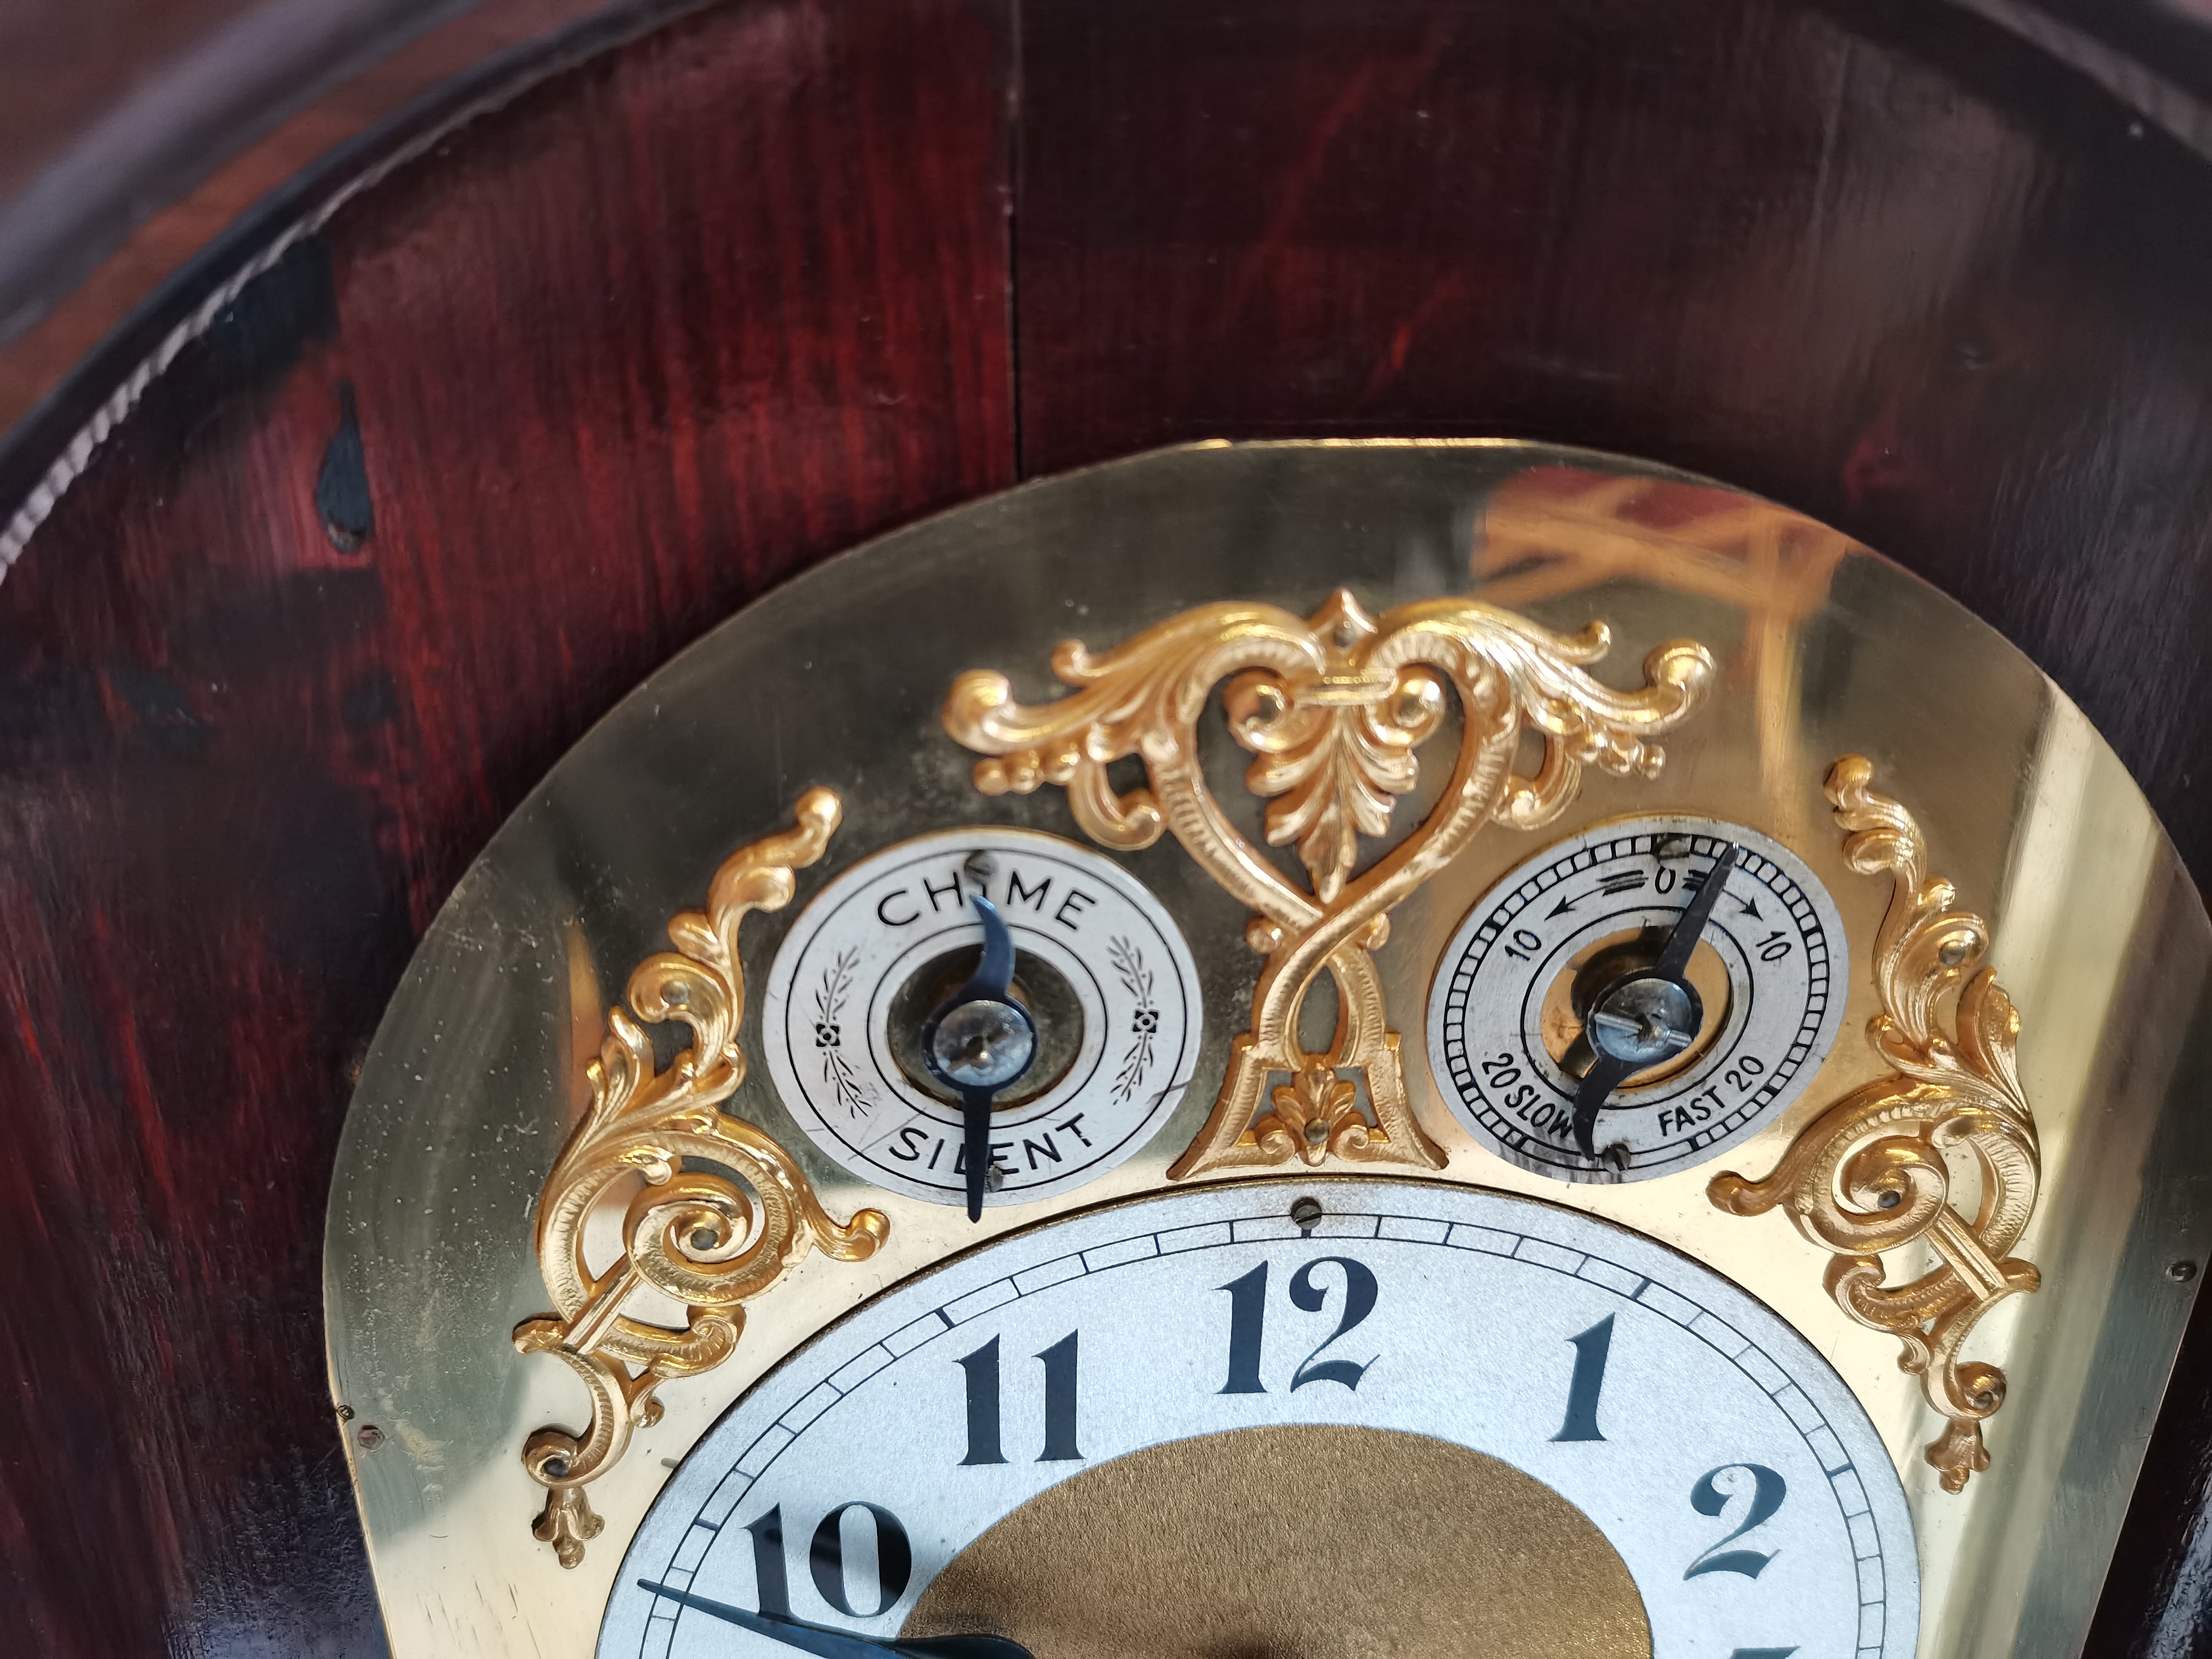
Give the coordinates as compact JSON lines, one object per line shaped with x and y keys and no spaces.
{"x":1560,"y":965}
{"x":1100,"y":969}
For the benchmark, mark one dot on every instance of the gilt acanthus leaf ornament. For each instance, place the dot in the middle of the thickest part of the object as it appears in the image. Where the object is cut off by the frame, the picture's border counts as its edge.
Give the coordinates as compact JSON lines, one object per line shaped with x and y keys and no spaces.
{"x":1334,"y":707}
{"x":692,"y":1234}
{"x":1869,"y":1174}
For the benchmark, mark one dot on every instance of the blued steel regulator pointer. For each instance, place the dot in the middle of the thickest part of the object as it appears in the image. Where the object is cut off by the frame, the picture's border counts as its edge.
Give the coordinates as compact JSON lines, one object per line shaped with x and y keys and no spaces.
{"x":1645,"y":1017}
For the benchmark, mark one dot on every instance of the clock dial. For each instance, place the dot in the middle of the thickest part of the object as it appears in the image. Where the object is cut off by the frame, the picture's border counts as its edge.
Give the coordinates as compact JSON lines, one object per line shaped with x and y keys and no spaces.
{"x":871,"y":965}
{"x":1557,"y":989}
{"x":1046,"y":1436}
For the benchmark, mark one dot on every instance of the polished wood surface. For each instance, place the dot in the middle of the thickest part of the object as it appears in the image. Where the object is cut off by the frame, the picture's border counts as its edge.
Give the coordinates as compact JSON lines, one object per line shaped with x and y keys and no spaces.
{"x":656,"y":335}
{"x":547,"y":402}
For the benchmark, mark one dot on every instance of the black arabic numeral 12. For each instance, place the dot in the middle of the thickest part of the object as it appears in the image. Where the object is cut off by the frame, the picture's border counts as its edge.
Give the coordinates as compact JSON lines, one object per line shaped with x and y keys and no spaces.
{"x":1591,"y":1350}
{"x":982,"y":1368}
{"x":1768,"y":1489}
{"x":825,"y":1559}
{"x":1247,"y":1316}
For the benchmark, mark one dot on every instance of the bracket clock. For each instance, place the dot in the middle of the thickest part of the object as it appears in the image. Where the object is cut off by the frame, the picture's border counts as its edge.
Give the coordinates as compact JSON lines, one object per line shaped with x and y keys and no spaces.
{"x":1289,"y":1049}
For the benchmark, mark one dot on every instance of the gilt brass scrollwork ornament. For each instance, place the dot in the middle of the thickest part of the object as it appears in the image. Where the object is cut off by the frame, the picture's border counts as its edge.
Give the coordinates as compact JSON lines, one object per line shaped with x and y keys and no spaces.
{"x":1334,"y":707}
{"x":1869,"y":1176}
{"x":690,"y":1233}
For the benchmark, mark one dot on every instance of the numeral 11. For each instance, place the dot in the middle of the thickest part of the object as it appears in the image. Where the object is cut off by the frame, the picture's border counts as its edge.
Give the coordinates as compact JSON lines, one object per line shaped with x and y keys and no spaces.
{"x":1060,"y":1384}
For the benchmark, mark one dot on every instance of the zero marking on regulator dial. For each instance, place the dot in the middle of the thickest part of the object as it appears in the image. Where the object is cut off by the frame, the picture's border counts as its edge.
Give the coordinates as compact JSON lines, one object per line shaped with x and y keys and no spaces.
{"x":1510,"y":1031}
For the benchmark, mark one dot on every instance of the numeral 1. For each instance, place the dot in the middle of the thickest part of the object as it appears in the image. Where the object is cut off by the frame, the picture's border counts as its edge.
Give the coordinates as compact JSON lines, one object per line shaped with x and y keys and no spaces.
{"x":1060,"y":1403}
{"x":1591,"y":1348}
{"x":982,"y":1368}
{"x":773,"y":1594}
{"x":1248,"y":1319}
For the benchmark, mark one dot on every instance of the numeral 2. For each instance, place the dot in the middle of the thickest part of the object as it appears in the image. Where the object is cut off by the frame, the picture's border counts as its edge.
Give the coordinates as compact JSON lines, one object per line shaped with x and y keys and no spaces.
{"x":1768,"y":1489}
{"x":1059,"y":1383}
{"x":1247,"y":1316}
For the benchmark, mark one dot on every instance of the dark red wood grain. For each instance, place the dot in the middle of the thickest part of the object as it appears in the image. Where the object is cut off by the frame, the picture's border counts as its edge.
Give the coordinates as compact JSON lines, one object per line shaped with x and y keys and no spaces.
{"x":621,"y":355}
{"x":1889,"y":266}
{"x":538,"y":408}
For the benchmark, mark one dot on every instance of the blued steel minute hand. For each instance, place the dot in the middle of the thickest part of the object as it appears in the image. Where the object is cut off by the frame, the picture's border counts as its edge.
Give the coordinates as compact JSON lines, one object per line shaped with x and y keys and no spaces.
{"x":827,"y":1643}
{"x":1675,"y":956}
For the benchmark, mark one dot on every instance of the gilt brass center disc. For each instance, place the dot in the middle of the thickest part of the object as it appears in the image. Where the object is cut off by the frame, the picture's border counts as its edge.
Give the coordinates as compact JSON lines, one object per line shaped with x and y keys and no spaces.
{"x":1296,"y":1542}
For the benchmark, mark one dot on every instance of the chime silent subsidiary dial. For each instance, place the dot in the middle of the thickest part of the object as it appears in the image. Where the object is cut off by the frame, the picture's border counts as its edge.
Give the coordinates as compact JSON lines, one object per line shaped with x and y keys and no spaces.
{"x":1100,"y":969}
{"x":1559,"y":991}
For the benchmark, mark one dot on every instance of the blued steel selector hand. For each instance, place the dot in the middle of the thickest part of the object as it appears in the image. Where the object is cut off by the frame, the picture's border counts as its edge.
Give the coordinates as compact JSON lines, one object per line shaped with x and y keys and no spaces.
{"x":981,"y":1042}
{"x":1650,"y":1014}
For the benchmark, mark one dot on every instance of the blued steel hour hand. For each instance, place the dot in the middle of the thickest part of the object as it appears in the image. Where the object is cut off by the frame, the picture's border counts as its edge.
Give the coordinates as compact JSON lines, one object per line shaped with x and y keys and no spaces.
{"x":1646,"y":1016}
{"x":827,"y":1643}
{"x":979,"y":1042}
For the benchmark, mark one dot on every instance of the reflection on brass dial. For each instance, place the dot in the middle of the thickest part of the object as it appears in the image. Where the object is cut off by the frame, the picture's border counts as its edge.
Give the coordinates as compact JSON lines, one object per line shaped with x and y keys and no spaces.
{"x":1233,"y":1545}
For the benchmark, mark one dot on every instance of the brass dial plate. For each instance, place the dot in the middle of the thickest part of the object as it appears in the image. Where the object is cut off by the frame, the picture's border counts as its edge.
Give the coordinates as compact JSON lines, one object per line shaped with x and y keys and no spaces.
{"x":476,"y":1079}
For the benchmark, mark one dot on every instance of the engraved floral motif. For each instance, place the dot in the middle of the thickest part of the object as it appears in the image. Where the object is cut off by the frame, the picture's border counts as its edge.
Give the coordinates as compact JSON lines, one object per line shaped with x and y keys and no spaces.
{"x":1334,"y":707}
{"x":830,"y":997}
{"x":690,"y":1233}
{"x":1144,"y":1023}
{"x":1869,"y":1175}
